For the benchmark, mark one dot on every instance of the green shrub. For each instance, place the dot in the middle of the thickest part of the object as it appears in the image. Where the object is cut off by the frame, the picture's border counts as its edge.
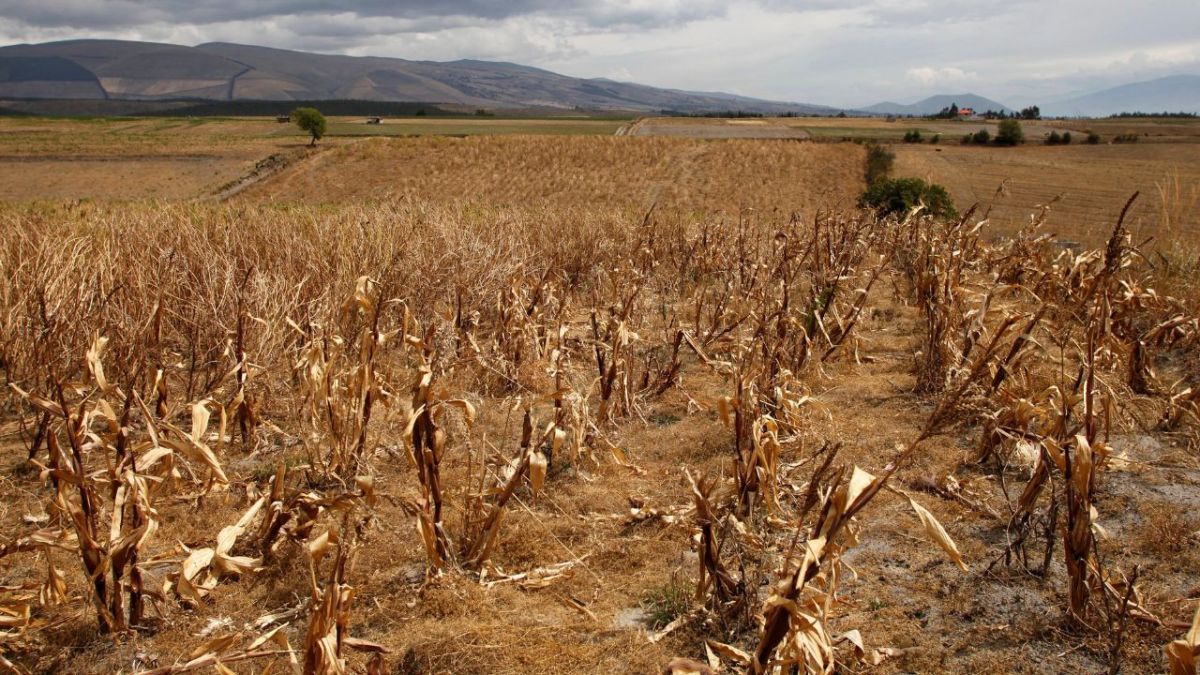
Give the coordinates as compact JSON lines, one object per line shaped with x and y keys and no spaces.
{"x":1066,"y":138}
{"x":981,"y":137}
{"x":912,"y":136}
{"x":1010,"y":133}
{"x":1093,"y":138}
{"x":1053,"y":138}
{"x":935,"y":139}
{"x":879,"y":163}
{"x":900,"y":195}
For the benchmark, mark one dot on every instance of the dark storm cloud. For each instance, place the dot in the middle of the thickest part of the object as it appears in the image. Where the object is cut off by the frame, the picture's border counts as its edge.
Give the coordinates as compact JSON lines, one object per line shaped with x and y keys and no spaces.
{"x":123,"y":14}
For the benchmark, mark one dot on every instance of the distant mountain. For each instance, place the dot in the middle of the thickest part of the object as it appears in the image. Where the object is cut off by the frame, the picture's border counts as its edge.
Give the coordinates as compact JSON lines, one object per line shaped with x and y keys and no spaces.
{"x":114,"y":69}
{"x":934,"y":104}
{"x":1177,"y":93}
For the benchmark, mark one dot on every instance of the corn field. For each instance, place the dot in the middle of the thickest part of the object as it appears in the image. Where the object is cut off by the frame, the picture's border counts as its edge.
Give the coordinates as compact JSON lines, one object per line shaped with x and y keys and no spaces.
{"x":411,"y":437}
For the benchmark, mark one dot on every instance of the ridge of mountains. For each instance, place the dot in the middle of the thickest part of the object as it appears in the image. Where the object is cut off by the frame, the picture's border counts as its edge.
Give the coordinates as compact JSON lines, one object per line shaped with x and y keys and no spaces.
{"x":934,"y":104}
{"x":218,"y":71}
{"x":120,"y":70}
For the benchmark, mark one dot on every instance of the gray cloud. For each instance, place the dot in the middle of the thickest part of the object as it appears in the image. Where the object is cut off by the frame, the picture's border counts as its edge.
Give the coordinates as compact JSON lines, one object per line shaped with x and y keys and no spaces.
{"x":840,"y":52}
{"x":116,"y":14}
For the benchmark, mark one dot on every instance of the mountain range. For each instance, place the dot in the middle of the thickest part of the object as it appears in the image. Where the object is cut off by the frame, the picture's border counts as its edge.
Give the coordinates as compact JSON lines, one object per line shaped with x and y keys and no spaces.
{"x":934,"y":104}
{"x":116,"y":69}
{"x":1177,"y":93}
{"x":119,"y":71}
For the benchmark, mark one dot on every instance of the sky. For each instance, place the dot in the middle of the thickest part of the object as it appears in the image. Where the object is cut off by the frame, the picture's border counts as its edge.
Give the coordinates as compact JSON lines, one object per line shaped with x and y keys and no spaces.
{"x":844,"y":54}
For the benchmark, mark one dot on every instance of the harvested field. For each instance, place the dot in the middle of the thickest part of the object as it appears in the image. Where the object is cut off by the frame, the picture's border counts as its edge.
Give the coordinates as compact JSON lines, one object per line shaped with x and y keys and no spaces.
{"x":775,"y":177}
{"x":715,"y":128}
{"x":181,"y":158}
{"x":1084,"y":184}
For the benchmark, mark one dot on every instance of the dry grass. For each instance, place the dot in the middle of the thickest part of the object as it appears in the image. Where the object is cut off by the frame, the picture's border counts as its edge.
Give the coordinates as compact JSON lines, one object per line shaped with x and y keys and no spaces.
{"x":629,"y":174}
{"x":1083,"y":185}
{"x":430,"y":433}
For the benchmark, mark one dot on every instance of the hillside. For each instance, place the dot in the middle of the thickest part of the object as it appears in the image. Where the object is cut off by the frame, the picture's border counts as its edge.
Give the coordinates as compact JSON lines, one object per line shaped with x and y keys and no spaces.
{"x":113,"y":69}
{"x":1178,"y":93}
{"x":933,"y":104}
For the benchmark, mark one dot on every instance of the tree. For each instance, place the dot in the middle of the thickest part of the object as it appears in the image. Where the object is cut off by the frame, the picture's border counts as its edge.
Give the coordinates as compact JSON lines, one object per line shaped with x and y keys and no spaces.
{"x":901,"y":195}
{"x":1054,"y":138}
{"x":311,"y":121}
{"x":981,"y":137}
{"x":1031,"y":113}
{"x":1010,"y":133}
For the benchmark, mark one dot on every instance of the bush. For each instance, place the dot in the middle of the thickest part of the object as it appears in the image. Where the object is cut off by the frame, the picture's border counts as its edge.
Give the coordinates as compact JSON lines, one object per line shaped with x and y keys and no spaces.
{"x":912,"y":136}
{"x":981,"y":137}
{"x":901,"y":195}
{"x":1093,"y":138}
{"x":879,"y":163}
{"x":1053,"y":138}
{"x":1010,"y":133}
{"x":1066,"y":138}
{"x":937,"y":138}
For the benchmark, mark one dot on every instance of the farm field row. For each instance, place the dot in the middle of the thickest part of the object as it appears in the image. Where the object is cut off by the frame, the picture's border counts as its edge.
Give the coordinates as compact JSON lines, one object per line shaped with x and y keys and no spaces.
{"x":1085,"y":186}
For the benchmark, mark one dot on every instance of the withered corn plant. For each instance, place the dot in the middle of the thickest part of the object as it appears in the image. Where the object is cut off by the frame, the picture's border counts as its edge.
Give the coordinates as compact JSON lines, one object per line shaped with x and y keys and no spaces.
{"x":1063,"y":430}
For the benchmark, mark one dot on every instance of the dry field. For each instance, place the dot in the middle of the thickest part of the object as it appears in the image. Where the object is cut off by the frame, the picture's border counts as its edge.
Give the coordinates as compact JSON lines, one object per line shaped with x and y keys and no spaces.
{"x":132,"y":159}
{"x":715,"y":128}
{"x":821,"y":128}
{"x":470,"y":405}
{"x":181,"y":158}
{"x":584,"y":173}
{"x":1085,"y":186}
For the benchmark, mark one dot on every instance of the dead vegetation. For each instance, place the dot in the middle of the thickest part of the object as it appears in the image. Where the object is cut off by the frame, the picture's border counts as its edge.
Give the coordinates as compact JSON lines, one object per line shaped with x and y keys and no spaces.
{"x":451,"y":402}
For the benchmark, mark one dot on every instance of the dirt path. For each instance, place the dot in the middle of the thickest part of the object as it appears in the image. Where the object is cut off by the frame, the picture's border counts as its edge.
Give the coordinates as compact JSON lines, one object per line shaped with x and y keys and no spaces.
{"x":265,"y":168}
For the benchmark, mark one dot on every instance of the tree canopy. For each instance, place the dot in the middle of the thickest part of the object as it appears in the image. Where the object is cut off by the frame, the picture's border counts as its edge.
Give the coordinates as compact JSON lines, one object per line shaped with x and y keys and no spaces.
{"x":310,"y":120}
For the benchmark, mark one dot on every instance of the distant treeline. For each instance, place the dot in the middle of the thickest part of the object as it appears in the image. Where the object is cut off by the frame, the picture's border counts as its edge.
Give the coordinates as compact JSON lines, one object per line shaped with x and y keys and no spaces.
{"x":272,"y":108}
{"x":722,"y":114}
{"x":1173,"y":115}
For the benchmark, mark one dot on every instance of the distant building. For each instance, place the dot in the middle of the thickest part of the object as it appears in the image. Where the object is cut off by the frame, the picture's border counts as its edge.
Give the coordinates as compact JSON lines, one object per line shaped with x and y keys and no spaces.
{"x":283,"y":119}
{"x":966,"y":112}
{"x":374,"y":120}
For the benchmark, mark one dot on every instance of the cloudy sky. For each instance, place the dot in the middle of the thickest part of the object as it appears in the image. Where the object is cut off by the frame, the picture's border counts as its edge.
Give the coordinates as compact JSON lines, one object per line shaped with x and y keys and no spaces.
{"x":848,"y":53}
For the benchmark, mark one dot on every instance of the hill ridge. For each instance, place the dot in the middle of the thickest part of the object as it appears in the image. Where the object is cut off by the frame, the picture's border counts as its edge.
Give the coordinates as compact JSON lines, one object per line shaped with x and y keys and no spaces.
{"x":227,"y":71}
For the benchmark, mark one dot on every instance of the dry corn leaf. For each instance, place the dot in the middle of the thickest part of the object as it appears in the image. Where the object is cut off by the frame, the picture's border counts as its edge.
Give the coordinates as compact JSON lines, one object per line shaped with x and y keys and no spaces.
{"x":936,"y":532}
{"x":1183,"y":654}
{"x":43,"y":404}
{"x":728,"y":651}
{"x":538,"y":465}
{"x":54,"y":590}
{"x":361,"y":645}
{"x":215,"y":645}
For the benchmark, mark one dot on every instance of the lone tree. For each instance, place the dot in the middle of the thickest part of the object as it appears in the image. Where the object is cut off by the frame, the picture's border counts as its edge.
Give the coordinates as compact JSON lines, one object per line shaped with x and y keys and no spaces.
{"x":311,"y":121}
